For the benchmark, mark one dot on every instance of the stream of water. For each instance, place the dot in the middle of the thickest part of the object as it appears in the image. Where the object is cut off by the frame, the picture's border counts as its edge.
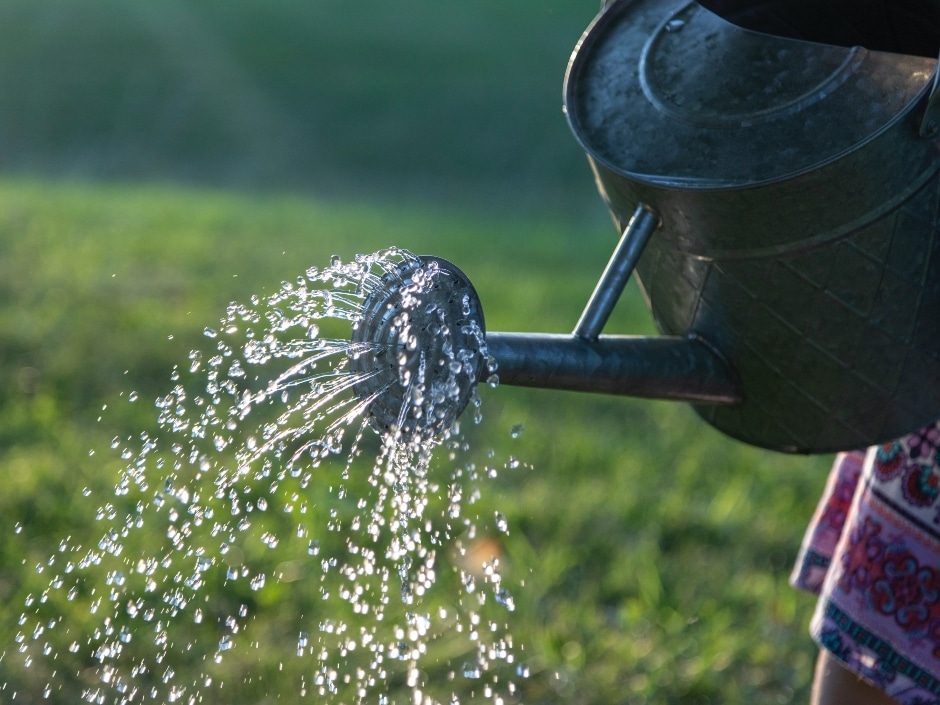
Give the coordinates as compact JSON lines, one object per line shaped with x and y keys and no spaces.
{"x":268,"y":480}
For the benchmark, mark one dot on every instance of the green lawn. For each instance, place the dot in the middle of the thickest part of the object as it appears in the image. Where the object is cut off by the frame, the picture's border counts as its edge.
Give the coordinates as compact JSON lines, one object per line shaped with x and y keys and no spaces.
{"x":653,"y":551}
{"x":161,"y":160}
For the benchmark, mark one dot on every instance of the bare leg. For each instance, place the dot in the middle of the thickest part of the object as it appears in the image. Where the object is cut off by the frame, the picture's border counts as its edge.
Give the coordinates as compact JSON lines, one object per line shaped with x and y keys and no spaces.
{"x":834,"y":684}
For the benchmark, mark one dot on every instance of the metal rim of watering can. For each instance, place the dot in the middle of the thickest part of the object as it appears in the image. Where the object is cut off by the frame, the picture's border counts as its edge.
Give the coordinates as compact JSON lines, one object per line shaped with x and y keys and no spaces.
{"x":647,"y":104}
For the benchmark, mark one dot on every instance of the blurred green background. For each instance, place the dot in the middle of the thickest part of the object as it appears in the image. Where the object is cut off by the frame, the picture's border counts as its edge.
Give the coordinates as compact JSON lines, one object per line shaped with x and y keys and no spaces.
{"x":455,"y":102}
{"x":158,"y":160}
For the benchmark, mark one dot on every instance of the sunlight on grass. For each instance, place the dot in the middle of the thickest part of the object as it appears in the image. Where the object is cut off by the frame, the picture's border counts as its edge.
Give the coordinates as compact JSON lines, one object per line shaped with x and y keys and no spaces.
{"x":654,"y":551}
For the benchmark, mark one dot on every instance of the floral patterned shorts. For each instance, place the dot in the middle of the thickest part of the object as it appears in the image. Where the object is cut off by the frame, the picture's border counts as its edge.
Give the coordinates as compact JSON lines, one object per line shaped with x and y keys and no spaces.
{"x":872,"y":554}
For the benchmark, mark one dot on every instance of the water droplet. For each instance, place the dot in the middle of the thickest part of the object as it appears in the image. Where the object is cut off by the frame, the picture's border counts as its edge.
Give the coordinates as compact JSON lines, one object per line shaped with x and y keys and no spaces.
{"x":269,"y":540}
{"x":472,"y":670}
{"x":302,"y":642}
{"x":504,"y":598}
{"x":516,"y":430}
{"x":675,"y":25}
{"x":132,"y":397}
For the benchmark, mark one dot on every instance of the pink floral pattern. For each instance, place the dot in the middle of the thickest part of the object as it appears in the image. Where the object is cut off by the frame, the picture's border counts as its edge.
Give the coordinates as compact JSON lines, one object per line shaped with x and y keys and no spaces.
{"x":872,"y":554}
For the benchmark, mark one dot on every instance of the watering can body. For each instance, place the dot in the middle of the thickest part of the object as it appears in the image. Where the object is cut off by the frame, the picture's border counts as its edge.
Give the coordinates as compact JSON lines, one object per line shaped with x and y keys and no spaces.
{"x":779,"y":201}
{"x":798,"y":190}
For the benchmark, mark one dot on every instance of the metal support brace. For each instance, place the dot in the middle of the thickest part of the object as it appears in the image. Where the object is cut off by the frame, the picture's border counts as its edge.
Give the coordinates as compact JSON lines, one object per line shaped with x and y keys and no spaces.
{"x":622,"y":262}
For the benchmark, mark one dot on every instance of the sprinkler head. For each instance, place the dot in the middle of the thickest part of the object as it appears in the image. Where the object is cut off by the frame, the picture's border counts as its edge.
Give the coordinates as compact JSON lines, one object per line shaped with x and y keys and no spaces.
{"x":424,"y":348}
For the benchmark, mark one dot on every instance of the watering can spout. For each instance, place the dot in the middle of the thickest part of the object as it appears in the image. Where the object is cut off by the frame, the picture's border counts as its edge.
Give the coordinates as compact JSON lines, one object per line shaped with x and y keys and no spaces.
{"x":679,"y":368}
{"x":673,"y":368}
{"x":422,"y":338}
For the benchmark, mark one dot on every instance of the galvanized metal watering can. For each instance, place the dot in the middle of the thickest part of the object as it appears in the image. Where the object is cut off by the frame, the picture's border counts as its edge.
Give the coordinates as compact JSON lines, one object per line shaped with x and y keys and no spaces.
{"x":775,"y":170}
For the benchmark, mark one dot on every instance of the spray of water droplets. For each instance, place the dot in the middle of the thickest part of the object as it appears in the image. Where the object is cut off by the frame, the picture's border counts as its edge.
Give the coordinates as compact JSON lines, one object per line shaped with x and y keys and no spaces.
{"x":266,"y":479}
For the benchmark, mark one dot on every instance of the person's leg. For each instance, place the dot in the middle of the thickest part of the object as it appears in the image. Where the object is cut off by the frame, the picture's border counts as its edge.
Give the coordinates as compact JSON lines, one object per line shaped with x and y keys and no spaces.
{"x":834,"y":684}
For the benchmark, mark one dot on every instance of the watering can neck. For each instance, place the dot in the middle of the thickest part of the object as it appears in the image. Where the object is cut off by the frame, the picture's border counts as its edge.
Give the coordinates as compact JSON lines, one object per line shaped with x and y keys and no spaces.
{"x":901,"y":27}
{"x":896,"y":26}
{"x":909,"y":27}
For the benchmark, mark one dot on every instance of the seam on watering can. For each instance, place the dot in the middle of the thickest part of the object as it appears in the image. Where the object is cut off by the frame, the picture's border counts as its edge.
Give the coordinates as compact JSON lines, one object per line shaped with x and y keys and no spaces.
{"x":823,"y":288}
{"x":720,"y":356}
{"x":844,"y":363}
{"x":833,"y":236}
{"x":920,"y":294}
{"x":825,"y":408}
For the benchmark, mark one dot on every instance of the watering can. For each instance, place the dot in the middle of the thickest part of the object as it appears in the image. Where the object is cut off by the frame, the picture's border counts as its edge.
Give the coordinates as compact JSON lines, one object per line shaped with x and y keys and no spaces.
{"x":773,"y":168}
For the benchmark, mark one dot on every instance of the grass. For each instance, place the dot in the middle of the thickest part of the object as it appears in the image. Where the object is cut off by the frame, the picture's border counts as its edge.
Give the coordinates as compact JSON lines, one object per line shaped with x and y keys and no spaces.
{"x":161,"y":161}
{"x":454,"y":101}
{"x":653,"y":551}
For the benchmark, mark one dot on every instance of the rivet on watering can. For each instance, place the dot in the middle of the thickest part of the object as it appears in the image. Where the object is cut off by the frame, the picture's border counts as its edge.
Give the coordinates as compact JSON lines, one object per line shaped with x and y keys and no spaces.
{"x":930,"y":123}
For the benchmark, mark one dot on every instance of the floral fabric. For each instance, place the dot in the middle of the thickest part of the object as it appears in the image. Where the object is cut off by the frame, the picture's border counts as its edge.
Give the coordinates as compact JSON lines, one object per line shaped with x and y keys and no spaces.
{"x":872,"y":554}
